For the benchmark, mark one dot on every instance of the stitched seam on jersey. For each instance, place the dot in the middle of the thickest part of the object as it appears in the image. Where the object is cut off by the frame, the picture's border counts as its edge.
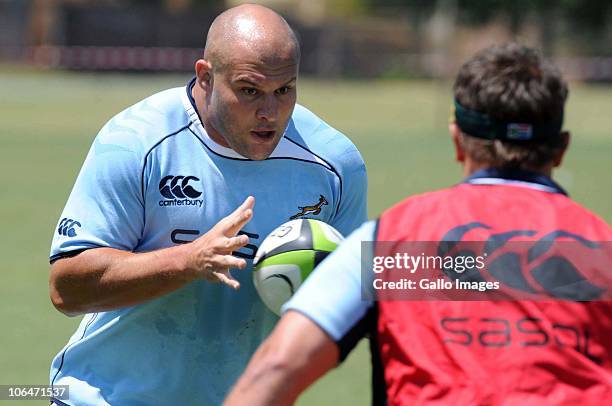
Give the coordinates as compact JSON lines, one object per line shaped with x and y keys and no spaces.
{"x":332,"y":170}
{"x":144,"y":163}
{"x":89,"y":323}
{"x":267,"y":159}
{"x":330,"y":165}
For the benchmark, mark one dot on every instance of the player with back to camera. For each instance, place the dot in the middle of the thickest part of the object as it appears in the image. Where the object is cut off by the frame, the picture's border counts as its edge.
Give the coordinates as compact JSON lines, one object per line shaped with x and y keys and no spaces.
{"x":163,"y":208}
{"x":507,"y":133}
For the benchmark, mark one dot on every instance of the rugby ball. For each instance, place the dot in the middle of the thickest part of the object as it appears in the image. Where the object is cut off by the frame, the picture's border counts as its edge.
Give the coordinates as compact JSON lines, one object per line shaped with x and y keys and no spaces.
{"x":288,"y":255}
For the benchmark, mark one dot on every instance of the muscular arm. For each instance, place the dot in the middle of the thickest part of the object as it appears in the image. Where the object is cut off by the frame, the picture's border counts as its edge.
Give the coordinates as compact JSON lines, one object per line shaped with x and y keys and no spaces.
{"x":104,"y":279}
{"x":296,"y":354}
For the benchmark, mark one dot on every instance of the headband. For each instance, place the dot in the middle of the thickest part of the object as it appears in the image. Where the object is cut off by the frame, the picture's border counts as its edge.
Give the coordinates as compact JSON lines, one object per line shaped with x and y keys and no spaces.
{"x":483,"y":126}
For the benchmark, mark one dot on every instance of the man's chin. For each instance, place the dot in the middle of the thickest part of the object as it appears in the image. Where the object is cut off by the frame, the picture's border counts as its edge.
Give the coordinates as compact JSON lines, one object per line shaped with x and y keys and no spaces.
{"x":259,"y":156}
{"x":257,"y":153}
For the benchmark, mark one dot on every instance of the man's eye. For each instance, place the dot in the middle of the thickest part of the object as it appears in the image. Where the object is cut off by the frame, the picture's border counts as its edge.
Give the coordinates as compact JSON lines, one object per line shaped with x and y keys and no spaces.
{"x":283,"y":90}
{"x":249,"y":91}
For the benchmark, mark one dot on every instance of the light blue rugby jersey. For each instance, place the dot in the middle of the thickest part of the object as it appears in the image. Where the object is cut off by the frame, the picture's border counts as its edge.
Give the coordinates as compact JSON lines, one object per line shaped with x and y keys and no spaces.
{"x":152,"y":179}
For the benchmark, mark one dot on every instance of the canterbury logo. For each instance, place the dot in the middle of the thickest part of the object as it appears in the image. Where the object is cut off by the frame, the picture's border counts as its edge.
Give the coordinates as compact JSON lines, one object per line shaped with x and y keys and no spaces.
{"x":178,"y":187}
{"x":314,"y":210}
{"x":552,"y":272}
{"x":66,"y":227}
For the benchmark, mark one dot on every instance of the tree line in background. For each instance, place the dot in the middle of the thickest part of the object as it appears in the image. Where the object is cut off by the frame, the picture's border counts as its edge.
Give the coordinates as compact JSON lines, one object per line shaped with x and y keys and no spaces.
{"x":346,"y":37}
{"x":584,"y":22}
{"x":584,"y":14}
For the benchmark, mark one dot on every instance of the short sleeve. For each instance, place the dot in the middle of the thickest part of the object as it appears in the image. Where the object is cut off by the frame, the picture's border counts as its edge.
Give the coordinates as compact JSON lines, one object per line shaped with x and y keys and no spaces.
{"x":332,"y":295}
{"x":106,"y":206}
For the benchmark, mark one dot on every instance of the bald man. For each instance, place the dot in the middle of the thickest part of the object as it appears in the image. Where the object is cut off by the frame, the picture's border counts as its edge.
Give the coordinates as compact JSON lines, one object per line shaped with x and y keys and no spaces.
{"x":164,"y":208}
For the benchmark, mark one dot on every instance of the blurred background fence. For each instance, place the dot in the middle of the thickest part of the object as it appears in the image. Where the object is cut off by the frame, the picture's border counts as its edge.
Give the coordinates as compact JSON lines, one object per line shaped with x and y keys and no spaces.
{"x":340,"y":38}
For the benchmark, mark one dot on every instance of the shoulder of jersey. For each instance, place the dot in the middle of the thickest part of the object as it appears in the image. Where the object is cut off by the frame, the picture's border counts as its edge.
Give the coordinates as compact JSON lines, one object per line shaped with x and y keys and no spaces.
{"x":432,"y":201}
{"x":436,"y":201}
{"x":144,"y":124}
{"x":588,"y":220}
{"x":311,"y":132}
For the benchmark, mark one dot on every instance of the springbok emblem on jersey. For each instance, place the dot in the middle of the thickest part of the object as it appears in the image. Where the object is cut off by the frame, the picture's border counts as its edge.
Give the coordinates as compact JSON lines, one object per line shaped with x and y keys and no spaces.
{"x":314,"y":210}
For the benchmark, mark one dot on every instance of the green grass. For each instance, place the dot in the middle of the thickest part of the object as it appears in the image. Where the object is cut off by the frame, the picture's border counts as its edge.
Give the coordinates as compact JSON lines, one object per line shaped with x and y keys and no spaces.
{"x":48,"y":121}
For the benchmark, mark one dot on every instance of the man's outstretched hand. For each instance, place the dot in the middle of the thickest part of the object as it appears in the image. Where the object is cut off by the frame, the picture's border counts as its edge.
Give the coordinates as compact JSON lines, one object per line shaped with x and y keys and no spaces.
{"x":210,"y":256}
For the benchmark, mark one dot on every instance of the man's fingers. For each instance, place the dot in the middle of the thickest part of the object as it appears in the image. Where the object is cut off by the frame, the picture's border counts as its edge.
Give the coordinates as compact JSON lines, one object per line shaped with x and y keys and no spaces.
{"x":234,"y":243}
{"x":225,"y":277}
{"x":235,"y":221}
{"x":249,"y":202}
{"x":223,"y":263}
{"x":233,"y":262}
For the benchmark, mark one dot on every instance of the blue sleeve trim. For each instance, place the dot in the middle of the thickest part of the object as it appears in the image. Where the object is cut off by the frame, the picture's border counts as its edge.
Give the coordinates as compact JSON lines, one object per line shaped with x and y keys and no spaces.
{"x":67,"y":254}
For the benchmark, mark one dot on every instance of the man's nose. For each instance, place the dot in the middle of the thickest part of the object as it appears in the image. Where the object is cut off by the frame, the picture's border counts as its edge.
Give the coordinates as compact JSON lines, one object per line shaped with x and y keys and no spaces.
{"x":268,"y":109}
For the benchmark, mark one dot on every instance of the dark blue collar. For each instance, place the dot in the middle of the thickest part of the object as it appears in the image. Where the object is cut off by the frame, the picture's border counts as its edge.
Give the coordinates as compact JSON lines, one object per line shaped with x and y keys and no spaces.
{"x":188,"y":89}
{"x":534,"y":180}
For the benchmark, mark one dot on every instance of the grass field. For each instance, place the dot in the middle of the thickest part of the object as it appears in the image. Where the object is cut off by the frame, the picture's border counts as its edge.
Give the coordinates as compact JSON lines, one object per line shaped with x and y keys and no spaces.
{"x":48,"y":121}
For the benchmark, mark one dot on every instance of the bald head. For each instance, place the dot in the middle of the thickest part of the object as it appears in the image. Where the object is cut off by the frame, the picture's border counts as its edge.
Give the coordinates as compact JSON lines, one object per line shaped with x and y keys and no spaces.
{"x":246,"y":85}
{"x":250,"y":31}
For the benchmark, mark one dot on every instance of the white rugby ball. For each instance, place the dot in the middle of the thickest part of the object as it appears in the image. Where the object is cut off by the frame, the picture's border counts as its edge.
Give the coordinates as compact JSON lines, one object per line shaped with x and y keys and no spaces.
{"x":288,"y":255}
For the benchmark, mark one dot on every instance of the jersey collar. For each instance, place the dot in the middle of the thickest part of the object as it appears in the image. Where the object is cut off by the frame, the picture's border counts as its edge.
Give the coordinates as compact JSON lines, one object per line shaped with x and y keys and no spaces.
{"x":514,"y":177}
{"x":188,"y":90}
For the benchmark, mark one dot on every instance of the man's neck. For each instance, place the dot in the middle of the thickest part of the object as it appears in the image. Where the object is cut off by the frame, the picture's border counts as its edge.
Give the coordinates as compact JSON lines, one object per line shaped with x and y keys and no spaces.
{"x":199,"y":96}
{"x":469,"y":167}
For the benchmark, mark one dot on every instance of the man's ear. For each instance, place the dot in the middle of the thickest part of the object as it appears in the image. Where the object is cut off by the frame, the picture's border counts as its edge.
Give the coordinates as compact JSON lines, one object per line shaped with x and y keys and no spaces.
{"x":203,"y":70}
{"x":455,"y":134}
{"x":565,"y":139}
